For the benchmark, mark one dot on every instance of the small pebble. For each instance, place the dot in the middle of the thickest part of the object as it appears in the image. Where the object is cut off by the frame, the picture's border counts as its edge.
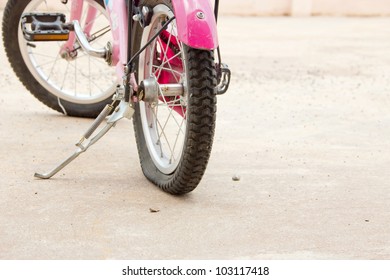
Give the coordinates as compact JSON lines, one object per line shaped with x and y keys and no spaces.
{"x":236,"y":178}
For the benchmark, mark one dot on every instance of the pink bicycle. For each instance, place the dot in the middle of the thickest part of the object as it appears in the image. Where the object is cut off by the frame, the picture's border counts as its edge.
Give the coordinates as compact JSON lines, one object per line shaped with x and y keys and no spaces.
{"x":150,"y":60}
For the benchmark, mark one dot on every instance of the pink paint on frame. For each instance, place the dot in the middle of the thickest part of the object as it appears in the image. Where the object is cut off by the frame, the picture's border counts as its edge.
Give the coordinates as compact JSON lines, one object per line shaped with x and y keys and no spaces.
{"x":196,"y":23}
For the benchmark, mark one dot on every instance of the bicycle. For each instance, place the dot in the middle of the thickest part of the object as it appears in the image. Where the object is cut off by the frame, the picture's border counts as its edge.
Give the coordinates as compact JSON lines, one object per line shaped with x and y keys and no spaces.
{"x":155,"y":66}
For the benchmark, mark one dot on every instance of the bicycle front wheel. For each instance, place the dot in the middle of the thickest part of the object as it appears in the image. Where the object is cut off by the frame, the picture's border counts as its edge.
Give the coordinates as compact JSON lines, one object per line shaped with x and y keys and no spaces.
{"x":174,"y":133}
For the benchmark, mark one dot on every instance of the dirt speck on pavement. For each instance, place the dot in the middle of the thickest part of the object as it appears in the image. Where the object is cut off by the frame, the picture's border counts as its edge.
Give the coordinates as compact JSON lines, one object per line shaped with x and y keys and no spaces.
{"x":306,"y":122}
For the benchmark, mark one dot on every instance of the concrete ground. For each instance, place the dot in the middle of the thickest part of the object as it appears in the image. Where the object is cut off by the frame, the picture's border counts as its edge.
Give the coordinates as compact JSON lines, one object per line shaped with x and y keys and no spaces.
{"x":306,"y":126}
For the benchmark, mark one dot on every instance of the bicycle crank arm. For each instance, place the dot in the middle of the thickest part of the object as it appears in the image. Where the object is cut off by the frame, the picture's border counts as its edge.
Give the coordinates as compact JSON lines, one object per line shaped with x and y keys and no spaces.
{"x":53,"y":27}
{"x":123,"y":110}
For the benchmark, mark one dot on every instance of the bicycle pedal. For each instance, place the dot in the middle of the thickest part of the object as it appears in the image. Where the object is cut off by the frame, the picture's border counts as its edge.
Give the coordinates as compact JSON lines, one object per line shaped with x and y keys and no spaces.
{"x":45,"y":27}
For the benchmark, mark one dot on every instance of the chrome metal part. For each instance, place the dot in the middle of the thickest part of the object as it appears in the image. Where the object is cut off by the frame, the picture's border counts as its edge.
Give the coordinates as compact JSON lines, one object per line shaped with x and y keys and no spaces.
{"x":149,"y":90}
{"x":68,"y":54}
{"x":105,"y":112}
{"x":143,"y":16}
{"x":123,"y":110}
{"x":172,"y":89}
{"x":223,"y":78}
{"x":108,"y":57}
{"x":51,"y":173}
{"x":80,"y":149}
{"x":146,"y":16}
{"x":86,"y":46}
{"x":119,"y":93}
{"x":200,"y":15}
{"x":137,"y":17}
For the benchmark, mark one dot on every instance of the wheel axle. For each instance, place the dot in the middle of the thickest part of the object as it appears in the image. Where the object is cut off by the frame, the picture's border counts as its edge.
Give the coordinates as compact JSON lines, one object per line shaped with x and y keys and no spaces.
{"x":149,"y":90}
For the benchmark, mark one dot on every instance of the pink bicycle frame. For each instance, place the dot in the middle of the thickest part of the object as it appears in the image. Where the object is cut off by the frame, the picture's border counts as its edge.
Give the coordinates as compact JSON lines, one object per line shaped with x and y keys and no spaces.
{"x":75,"y":14}
{"x":195,"y":19}
{"x":196,"y":23}
{"x":118,"y":21}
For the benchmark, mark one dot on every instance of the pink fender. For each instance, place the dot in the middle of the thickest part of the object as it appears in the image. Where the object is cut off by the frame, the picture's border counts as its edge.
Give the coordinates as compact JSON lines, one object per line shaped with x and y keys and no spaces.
{"x":196,"y":23}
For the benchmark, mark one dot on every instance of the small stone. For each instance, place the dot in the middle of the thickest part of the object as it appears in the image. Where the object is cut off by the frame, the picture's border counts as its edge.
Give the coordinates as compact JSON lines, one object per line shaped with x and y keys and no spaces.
{"x":154,"y":210}
{"x":236,"y":178}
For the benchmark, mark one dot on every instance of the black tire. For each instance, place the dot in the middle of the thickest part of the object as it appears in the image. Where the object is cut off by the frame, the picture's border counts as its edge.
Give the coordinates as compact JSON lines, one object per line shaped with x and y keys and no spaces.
{"x":72,"y":106}
{"x":200,"y":115}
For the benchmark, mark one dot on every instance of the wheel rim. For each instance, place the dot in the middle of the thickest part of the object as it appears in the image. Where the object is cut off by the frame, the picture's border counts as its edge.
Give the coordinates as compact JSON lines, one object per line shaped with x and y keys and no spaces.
{"x":83,"y":80}
{"x":164,"y":122}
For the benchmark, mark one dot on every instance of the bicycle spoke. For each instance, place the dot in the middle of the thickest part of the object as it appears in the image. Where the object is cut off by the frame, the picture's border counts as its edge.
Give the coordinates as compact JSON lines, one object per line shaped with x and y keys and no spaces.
{"x":177,"y":138}
{"x":167,"y":61}
{"x":172,"y":103}
{"x":52,"y":68}
{"x":169,"y":70}
{"x":163,"y":133}
{"x":165,"y":137}
{"x":166,"y":120}
{"x":41,"y":65}
{"x":170,"y":110}
{"x":42,"y":55}
{"x":65,"y":75}
{"x":159,"y":143}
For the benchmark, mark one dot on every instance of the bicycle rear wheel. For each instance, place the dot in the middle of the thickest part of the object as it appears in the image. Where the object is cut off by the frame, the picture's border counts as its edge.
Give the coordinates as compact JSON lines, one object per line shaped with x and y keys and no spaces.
{"x":66,"y":80}
{"x":174,"y":134}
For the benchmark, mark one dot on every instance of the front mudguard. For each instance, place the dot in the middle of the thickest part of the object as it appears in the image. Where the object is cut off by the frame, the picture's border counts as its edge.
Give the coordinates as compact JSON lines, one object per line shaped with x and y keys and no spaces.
{"x":196,"y":23}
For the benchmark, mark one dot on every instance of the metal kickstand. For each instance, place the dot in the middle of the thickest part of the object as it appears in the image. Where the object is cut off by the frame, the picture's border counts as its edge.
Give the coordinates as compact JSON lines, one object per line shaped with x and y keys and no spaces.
{"x":123,"y":110}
